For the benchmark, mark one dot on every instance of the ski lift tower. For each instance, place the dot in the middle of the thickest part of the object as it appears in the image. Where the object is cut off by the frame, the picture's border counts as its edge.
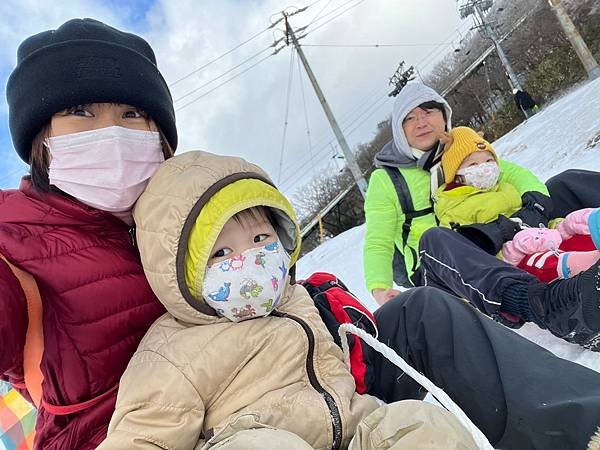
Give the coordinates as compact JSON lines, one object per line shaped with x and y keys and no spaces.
{"x":478,"y":9}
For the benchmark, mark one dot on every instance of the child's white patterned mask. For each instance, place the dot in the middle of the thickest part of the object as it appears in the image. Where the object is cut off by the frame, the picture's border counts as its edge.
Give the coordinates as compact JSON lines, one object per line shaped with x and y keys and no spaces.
{"x":248,"y":285}
{"x":481,"y":176}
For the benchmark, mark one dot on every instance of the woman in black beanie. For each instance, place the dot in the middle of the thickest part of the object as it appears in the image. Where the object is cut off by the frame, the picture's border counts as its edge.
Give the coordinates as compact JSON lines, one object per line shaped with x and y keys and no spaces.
{"x":91,"y":114}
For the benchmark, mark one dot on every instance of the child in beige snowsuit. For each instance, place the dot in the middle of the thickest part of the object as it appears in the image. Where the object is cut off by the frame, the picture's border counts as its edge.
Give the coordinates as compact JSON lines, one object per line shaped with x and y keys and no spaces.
{"x":242,"y":359}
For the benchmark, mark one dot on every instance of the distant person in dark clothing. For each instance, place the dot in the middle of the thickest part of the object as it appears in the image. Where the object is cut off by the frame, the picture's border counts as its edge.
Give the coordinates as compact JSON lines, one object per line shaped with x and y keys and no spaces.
{"x":525,"y":103}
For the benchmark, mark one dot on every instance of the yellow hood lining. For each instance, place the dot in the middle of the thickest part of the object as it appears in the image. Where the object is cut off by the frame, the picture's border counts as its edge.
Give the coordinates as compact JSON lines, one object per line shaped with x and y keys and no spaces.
{"x":189,"y":280}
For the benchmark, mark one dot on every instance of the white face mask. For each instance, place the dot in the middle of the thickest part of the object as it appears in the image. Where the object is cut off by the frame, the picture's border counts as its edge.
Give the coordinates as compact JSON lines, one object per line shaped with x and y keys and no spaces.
{"x":106,"y":168}
{"x":248,"y":285}
{"x":481,"y":176}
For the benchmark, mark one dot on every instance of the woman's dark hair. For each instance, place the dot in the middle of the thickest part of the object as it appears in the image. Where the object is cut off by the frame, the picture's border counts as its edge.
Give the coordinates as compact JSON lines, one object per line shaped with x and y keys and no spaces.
{"x":434,"y":105}
{"x":40,"y":158}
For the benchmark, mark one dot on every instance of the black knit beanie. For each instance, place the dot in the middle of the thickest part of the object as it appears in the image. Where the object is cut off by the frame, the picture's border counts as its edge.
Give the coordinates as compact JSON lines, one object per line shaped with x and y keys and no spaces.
{"x":84,"y":61}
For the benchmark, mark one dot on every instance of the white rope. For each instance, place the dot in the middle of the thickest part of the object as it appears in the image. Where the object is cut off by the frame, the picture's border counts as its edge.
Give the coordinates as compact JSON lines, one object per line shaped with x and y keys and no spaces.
{"x":397,"y":360}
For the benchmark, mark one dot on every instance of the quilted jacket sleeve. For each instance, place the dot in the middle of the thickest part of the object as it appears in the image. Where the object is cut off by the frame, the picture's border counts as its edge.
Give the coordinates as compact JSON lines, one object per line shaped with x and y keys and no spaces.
{"x":13,"y":325}
{"x":537,"y":204}
{"x":157,"y":407}
{"x":521,"y":178}
{"x":382,"y":214}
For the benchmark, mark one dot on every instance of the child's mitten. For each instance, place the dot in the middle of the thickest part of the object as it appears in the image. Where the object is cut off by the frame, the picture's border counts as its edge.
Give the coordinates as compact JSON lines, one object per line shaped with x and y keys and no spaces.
{"x":529,"y":241}
{"x":575,"y":223}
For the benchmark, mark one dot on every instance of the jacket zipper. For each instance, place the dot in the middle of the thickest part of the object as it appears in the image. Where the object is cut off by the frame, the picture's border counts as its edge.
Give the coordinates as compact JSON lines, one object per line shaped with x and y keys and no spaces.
{"x":336,"y":420}
{"x":131,"y":233}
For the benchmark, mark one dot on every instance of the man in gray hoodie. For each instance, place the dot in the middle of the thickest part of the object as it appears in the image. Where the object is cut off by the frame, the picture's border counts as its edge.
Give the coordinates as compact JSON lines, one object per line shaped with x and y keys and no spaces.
{"x":520,"y":395}
{"x":462,"y":261}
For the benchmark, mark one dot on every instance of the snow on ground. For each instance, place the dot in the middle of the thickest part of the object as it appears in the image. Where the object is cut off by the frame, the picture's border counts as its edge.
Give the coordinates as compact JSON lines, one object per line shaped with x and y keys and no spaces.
{"x":564,"y":135}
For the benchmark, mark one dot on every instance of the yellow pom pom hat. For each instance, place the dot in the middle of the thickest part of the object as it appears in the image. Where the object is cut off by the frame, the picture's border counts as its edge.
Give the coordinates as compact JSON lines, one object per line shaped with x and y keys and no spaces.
{"x":459,"y":143}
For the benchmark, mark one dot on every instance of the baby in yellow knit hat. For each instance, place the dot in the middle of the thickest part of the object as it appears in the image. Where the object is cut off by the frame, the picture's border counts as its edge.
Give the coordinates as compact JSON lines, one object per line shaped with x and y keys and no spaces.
{"x":474,"y":191}
{"x":477,"y":191}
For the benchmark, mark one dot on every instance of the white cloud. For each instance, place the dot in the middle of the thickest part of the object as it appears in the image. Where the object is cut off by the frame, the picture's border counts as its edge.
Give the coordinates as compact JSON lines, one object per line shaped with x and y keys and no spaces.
{"x":245,"y":117}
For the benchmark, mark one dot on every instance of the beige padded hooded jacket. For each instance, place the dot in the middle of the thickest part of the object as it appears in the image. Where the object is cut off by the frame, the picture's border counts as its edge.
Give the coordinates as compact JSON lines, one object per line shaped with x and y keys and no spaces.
{"x":197,"y":379}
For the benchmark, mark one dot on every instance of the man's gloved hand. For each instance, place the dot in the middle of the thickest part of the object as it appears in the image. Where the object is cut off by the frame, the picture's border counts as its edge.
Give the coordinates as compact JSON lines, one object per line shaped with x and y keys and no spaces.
{"x":490,"y":236}
{"x":536,"y":209}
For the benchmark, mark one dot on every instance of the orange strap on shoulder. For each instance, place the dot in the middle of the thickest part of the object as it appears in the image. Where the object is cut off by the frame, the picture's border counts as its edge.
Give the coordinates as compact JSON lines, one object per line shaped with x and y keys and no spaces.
{"x":34,"y":340}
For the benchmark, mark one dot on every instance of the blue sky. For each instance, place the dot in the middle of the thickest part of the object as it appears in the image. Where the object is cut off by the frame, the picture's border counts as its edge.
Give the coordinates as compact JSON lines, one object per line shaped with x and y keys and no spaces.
{"x":245,"y":116}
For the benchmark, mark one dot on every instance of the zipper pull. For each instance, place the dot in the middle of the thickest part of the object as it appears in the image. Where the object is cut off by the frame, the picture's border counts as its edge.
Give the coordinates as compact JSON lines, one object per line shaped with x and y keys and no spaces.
{"x":131,"y":233}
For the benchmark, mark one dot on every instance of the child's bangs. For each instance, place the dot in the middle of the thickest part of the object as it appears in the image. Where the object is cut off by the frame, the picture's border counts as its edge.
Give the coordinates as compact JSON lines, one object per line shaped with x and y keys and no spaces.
{"x":255,"y":214}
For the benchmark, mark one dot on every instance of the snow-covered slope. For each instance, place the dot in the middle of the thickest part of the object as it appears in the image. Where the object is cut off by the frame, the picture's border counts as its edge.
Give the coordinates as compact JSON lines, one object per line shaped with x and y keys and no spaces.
{"x":564,"y":135}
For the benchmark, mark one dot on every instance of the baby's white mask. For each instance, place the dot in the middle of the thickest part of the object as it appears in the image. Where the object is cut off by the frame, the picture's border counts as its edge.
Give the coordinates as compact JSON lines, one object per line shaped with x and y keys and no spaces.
{"x":249,"y":285}
{"x":481,"y":176}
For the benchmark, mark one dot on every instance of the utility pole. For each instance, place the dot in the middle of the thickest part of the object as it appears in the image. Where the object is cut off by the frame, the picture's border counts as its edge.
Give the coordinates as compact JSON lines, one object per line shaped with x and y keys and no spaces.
{"x":477,"y":8}
{"x":400,"y":78}
{"x":583,"y":52}
{"x":350,"y":159}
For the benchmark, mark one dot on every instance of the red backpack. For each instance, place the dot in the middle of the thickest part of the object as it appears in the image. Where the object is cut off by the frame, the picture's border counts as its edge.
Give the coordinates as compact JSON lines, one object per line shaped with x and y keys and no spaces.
{"x":337,"y":305}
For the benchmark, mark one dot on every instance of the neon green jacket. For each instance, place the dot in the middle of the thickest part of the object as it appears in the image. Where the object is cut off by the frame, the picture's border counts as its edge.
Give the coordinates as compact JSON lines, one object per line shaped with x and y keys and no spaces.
{"x":384,"y":218}
{"x":466,"y":205}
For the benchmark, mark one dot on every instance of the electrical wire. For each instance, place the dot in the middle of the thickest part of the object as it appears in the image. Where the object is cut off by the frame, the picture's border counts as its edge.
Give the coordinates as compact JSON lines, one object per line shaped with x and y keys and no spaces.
{"x":337,"y":8}
{"x":310,"y":150}
{"x":346,"y":131}
{"x":223,"y":55}
{"x":224,"y":82}
{"x":312,"y":30}
{"x":343,"y":120}
{"x":287,"y":110}
{"x":320,"y":12}
{"x":9,"y":175}
{"x":374,"y":45}
{"x":222,"y":75}
{"x":298,"y":170}
{"x":436,"y":50}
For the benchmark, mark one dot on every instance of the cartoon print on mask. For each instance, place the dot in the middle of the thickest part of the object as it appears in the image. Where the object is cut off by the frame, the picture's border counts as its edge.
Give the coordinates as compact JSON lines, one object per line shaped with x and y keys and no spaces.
{"x":260,"y":259}
{"x":225,"y":265}
{"x":237,"y":262}
{"x":249,"y":289}
{"x":222,"y":294}
{"x":243,"y":313}
{"x":268,"y":305}
{"x":258,"y":284}
{"x":272,"y":247}
{"x":283,"y":270}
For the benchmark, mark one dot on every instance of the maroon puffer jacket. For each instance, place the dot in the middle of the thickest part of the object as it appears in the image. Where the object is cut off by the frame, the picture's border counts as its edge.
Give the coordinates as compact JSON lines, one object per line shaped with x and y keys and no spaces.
{"x":97,"y":306}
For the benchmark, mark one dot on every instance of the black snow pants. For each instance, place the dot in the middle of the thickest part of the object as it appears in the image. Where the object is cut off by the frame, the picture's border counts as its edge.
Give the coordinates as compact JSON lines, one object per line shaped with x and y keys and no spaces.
{"x":520,"y":395}
{"x":453,"y":263}
{"x":574,"y":189}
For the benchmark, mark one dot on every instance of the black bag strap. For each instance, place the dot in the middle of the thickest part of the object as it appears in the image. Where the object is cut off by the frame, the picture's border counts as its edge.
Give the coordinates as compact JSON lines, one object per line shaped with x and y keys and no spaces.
{"x":405,"y":200}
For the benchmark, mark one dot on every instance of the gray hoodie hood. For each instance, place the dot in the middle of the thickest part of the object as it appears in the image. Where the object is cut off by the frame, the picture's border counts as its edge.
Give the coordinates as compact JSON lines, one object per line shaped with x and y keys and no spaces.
{"x":397,"y":152}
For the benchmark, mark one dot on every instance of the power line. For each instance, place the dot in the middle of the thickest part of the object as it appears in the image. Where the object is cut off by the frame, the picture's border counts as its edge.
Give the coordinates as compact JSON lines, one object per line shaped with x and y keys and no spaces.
{"x":374,"y":45}
{"x":224,"y":82}
{"x":386,"y":98}
{"x":350,"y":113}
{"x":9,"y":175}
{"x":357,"y":174}
{"x":251,"y":58}
{"x":305,"y":114}
{"x":287,"y":110}
{"x":224,"y":54}
{"x":298,"y":170}
{"x":222,"y":75}
{"x":320,"y":12}
{"x":438,"y":49}
{"x":335,"y":17}
{"x":326,"y":140}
